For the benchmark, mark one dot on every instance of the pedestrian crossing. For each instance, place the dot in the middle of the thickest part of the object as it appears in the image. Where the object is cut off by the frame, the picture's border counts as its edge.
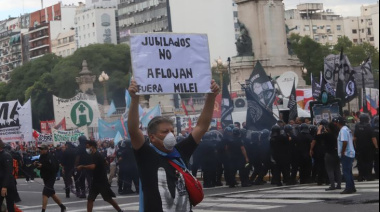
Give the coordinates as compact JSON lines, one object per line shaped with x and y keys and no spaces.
{"x":273,"y":199}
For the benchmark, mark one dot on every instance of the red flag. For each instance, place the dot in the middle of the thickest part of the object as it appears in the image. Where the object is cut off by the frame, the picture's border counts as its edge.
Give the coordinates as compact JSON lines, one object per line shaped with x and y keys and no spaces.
{"x":218,"y":107}
{"x":190,"y":125}
{"x":191,"y":103}
{"x":61,"y":125}
{"x":184,"y":108}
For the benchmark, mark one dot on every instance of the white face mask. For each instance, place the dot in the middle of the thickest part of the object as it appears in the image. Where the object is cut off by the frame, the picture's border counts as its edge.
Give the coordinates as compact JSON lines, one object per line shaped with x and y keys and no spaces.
{"x":170,"y":141}
{"x":88,"y":151}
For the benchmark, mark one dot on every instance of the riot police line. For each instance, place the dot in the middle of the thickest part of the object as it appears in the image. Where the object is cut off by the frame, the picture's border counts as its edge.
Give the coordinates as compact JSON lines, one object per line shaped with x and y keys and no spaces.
{"x":284,"y":155}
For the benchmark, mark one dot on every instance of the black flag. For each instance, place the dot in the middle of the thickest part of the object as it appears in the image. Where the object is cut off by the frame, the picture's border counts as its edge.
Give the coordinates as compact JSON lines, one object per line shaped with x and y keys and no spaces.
{"x":364,"y":76}
{"x":258,"y":117}
{"x":328,"y":87}
{"x":292,"y":105}
{"x":227,"y":107}
{"x":340,"y":88}
{"x":262,"y":87}
{"x":316,"y":87}
{"x":351,"y":90}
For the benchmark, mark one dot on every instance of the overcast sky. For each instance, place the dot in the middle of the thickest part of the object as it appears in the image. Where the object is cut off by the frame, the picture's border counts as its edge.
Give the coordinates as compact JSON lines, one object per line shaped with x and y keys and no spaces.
{"x":343,"y":7}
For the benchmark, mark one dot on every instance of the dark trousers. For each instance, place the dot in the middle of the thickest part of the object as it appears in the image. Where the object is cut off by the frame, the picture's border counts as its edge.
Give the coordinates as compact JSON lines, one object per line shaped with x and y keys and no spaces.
{"x":68,"y":179}
{"x":376,"y":162}
{"x":80,"y":180}
{"x":235,"y":165}
{"x":320,"y":169}
{"x":209,"y":175}
{"x":127,"y":176}
{"x":305,"y":170}
{"x":295,"y":167}
{"x":333,"y":169}
{"x":281,"y":169}
{"x":10,"y":199}
{"x":365,"y":163}
{"x":29,"y":172}
{"x":219,"y":171}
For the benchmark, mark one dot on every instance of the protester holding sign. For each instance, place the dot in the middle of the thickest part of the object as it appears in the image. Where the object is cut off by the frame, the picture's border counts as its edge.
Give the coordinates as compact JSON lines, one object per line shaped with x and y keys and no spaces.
{"x":164,"y":188}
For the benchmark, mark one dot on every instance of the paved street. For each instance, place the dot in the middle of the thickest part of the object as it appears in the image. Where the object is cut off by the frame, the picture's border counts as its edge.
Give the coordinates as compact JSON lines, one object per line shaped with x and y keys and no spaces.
{"x":261,"y":198}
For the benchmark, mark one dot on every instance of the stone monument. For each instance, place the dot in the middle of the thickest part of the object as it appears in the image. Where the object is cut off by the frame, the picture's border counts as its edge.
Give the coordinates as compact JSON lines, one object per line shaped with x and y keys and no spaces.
{"x":86,"y":79}
{"x":265,"y":22}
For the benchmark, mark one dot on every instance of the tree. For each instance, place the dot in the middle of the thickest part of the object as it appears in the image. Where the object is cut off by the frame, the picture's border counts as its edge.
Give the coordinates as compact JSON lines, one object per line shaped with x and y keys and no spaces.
{"x":310,"y":53}
{"x":50,"y":75}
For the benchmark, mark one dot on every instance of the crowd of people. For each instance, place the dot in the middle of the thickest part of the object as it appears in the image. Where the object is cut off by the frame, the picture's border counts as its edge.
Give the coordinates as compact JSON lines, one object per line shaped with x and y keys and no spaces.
{"x":297,"y":153}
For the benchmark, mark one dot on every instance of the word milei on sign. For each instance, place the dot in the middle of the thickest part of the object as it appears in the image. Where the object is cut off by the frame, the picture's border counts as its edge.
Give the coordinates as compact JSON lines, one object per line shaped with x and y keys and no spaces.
{"x":169,"y":63}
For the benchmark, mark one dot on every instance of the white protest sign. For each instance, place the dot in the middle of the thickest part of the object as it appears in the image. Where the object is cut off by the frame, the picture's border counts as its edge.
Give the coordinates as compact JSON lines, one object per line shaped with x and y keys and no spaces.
{"x":166,"y":63}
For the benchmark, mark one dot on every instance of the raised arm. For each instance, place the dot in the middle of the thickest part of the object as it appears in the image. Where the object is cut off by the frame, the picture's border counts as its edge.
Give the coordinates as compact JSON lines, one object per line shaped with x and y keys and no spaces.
{"x":206,"y":116}
{"x":137,"y":137}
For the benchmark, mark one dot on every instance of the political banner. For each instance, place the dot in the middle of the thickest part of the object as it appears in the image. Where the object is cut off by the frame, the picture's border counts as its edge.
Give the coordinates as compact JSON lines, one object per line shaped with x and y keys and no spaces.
{"x":16,"y":121}
{"x":168,"y":63}
{"x":81,"y":110}
{"x":69,"y":136}
{"x":110,"y":130}
{"x":46,"y":126}
{"x":325,"y":112}
{"x":262,"y":87}
{"x":365,"y":71}
{"x":337,"y":67}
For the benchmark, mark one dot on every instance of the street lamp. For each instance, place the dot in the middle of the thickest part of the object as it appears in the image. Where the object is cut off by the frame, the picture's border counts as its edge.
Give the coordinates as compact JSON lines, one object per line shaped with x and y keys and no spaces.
{"x":103,"y":78}
{"x":220,"y":68}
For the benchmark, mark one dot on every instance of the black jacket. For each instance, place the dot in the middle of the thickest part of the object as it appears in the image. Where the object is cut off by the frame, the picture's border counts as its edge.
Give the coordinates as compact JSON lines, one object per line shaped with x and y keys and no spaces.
{"x":6,"y":168}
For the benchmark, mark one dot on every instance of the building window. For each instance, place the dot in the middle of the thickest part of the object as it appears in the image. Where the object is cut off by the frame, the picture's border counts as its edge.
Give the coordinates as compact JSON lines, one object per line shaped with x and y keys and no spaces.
{"x":93,"y":24}
{"x":59,"y":41}
{"x":331,"y":37}
{"x":307,"y":28}
{"x":64,"y":40}
{"x":339,"y":27}
{"x":372,"y":38}
{"x":354,"y":31}
{"x":71,"y":39}
{"x":316,"y":37}
{"x":355,"y":40}
{"x":328,"y":28}
{"x":369,"y":31}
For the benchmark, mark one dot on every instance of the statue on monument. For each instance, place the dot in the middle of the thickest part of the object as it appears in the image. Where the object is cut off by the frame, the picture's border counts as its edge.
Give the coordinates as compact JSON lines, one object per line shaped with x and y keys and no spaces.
{"x":244,"y":42}
{"x":289,"y":43}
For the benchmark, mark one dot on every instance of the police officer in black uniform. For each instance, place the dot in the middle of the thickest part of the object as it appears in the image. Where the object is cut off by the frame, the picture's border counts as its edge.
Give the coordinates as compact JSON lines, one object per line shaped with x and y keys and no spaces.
{"x":280,"y":148}
{"x":294,"y":163}
{"x":304,"y":140}
{"x":265,"y":157}
{"x":317,"y":152}
{"x":366,"y":145}
{"x":253,"y":152}
{"x":207,"y":149}
{"x":128,"y":172}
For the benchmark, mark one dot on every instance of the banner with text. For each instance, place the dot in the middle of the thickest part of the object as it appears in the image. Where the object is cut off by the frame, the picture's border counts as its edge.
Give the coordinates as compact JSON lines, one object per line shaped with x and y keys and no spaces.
{"x":46,"y":126}
{"x":16,"y":121}
{"x":81,"y":110}
{"x":69,"y":136}
{"x":167,"y":63}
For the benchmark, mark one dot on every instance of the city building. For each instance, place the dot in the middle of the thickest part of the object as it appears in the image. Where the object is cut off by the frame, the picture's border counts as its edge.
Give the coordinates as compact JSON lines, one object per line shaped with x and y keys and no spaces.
{"x":95,"y":23}
{"x":311,"y":19}
{"x":10,"y":47}
{"x":364,"y":28}
{"x":326,"y":27}
{"x":64,"y":45}
{"x":216,"y":18}
{"x":46,"y":25}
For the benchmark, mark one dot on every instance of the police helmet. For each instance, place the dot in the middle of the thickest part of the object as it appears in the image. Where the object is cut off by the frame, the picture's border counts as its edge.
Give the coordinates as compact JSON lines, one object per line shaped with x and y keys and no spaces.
{"x":82,"y":139}
{"x":313,"y":130}
{"x":243,"y":132}
{"x":255,"y":136}
{"x":276,"y":130}
{"x":236,"y":131}
{"x":265,"y":134}
{"x":288,"y":129}
{"x":8,"y":148}
{"x":364,"y":118}
{"x":324,"y":122}
{"x":304,"y":128}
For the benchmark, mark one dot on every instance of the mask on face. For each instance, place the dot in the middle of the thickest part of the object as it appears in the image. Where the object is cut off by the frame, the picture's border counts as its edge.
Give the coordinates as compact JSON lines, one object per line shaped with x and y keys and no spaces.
{"x":88,"y":151}
{"x":170,"y":141}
